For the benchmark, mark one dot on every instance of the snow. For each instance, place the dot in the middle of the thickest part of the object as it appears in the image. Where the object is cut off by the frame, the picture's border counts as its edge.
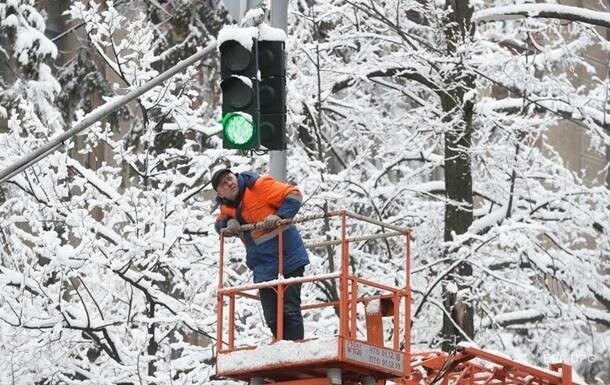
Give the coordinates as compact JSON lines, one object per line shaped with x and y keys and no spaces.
{"x":502,"y":355}
{"x":66,"y":255}
{"x":511,"y":317}
{"x":468,"y":344}
{"x":154,"y":292}
{"x":106,"y":232}
{"x":451,"y":287}
{"x":267,"y":32}
{"x":488,"y":220}
{"x":31,"y":38}
{"x":373,"y":307}
{"x":254,"y":14}
{"x":534,"y":10}
{"x":596,"y":314}
{"x":601,"y":291}
{"x":47,"y":81}
{"x":281,"y":352}
{"x":471,"y":96}
{"x":489,"y":105}
{"x":95,"y":180}
{"x":247,"y":81}
{"x":243,"y":35}
{"x":438,"y":185}
{"x":11,"y":277}
{"x":10,"y":21}
{"x":46,"y":47}
{"x":37,"y":190}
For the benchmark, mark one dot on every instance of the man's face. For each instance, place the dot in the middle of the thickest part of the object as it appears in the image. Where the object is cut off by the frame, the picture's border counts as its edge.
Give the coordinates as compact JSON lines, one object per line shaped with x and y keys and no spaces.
{"x":227,"y":186}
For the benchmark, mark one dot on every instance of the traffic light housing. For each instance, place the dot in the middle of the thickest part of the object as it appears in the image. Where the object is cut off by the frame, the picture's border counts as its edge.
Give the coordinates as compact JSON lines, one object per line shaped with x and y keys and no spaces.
{"x":272,"y":94}
{"x":240,"y":95}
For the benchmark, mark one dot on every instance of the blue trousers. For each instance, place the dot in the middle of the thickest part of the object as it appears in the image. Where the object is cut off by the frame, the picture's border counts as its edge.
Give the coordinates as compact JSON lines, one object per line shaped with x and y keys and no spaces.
{"x":293,"y":318}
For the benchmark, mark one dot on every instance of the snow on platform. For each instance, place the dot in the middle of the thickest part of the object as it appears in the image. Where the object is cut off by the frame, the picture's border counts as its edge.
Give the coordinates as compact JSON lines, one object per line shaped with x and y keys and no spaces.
{"x":281,"y":352}
{"x":289,"y":360}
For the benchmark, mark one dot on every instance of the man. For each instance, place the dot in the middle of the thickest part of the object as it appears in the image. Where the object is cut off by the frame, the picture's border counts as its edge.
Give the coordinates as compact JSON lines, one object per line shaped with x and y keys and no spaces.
{"x":250,"y":198}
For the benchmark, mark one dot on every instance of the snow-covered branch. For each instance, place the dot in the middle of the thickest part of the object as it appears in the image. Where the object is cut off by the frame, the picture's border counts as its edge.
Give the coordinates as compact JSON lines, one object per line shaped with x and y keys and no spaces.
{"x":602,"y":294}
{"x":519,"y":317}
{"x":549,"y":11}
{"x":598,"y":316}
{"x":413,"y":74}
{"x":555,"y":105}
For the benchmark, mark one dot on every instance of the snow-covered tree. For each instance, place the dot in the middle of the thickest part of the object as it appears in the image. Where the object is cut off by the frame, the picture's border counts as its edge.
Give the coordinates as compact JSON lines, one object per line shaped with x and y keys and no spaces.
{"x":105,"y":275}
{"x":432,"y":115}
{"x":425,"y":114}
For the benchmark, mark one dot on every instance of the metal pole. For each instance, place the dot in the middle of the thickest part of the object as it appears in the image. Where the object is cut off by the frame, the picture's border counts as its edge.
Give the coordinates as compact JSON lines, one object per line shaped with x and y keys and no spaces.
{"x":608,"y":130}
{"x":97,"y":114}
{"x":278,"y":161}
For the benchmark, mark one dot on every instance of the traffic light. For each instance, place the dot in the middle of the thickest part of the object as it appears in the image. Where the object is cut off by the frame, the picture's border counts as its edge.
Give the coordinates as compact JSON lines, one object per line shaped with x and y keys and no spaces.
{"x":272,"y":94}
{"x":240,"y":95}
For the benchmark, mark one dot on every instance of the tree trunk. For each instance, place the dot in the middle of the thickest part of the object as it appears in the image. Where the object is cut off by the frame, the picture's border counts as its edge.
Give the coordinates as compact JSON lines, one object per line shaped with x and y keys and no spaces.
{"x":458,"y":174}
{"x":152,"y":347}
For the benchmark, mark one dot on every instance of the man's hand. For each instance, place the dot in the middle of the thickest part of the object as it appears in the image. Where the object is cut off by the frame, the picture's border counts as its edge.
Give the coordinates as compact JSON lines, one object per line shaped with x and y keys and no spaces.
{"x":232,"y":227}
{"x":271,"y":220}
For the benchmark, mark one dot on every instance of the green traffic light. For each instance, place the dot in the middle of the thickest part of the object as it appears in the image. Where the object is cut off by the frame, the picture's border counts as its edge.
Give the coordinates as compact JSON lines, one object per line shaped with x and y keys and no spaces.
{"x":239,"y":131}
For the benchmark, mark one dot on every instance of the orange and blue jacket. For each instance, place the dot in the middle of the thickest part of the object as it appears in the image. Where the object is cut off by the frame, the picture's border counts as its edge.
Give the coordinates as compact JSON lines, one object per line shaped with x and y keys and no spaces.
{"x":257,"y":198}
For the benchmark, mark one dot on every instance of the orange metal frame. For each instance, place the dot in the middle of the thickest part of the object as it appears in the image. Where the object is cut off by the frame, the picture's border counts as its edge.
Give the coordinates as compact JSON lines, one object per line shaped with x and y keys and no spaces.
{"x":417,"y":368}
{"x":444,"y":369}
{"x":349,"y":298}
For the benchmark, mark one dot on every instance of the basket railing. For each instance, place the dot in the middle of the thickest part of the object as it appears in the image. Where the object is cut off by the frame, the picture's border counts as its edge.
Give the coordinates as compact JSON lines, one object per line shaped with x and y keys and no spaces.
{"x":350,"y":285}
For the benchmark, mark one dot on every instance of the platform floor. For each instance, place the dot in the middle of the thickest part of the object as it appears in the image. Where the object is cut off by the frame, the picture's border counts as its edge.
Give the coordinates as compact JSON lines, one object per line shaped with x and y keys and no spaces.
{"x":296,"y":360}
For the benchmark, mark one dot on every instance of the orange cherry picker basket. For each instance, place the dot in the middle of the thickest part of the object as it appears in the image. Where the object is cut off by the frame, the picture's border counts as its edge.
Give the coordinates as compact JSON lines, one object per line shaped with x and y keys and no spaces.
{"x":353,"y":356}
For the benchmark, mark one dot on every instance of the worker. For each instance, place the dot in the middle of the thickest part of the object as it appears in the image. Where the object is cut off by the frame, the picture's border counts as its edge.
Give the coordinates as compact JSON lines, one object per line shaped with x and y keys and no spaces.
{"x":246,"y":198}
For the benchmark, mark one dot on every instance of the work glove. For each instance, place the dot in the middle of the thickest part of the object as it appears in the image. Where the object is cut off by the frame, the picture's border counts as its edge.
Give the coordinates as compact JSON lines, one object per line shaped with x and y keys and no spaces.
{"x":232,"y":227}
{"x":271,"y":220}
